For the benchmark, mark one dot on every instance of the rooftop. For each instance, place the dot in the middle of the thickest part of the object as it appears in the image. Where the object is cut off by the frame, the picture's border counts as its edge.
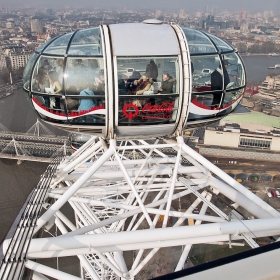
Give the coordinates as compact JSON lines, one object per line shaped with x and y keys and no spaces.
{"x":254,"y":118}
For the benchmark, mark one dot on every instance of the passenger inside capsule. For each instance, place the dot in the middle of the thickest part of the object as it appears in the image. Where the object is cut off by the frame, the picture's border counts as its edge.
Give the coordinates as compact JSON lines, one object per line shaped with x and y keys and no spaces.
{"x":152,"y":70}
{"x":55,"y":88}
{"x":167,"y":84}
{"x":130,"y":86}
{"x":86,"y":103}
{"x":219,"y":77}
{"x":143,"y":84}
{"x":99,"y":84}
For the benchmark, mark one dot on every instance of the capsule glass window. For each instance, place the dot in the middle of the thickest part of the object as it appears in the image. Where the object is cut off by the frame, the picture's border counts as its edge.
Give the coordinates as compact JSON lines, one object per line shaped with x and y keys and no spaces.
{"x":221,"y":44}
{"x":198,"y":43}
{"x":207,"y":81}
{"x":41,"y":79}
{"x":59,"y":46}
{"x":86,"y":43}
{"x":148,"y":90}
{"x":28,"y":70}
{"x":85,"y":90}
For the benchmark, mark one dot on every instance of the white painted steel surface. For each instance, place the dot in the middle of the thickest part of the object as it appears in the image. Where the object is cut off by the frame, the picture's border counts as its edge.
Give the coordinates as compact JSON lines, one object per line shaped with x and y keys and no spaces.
{"x":126,"y":197}
{"x":160,"y":38}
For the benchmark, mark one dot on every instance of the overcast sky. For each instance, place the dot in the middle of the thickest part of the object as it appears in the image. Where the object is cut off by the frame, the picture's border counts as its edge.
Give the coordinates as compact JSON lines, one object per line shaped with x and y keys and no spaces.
{"x":170,"y":5}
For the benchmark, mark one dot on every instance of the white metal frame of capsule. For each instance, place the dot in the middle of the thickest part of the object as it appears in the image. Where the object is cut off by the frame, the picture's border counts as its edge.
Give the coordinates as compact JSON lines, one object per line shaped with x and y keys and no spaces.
{"x":121,"y":194}
{"x":122,"y":49}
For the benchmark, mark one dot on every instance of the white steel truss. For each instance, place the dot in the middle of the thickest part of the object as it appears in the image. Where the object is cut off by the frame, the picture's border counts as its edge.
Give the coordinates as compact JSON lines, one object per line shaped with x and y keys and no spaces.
{"x":127,"y":198}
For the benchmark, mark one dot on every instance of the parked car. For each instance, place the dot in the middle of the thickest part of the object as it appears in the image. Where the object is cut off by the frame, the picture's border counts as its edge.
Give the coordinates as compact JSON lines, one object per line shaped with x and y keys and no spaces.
{"x":273,"y":193}
{"x":196,"y":211}
{"x":277,"y":193}
{"x":269,"y":194}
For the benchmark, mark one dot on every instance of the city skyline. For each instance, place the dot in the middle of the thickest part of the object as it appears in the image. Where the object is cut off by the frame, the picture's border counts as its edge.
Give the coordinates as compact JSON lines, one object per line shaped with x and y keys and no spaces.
{"x":251,"y":6}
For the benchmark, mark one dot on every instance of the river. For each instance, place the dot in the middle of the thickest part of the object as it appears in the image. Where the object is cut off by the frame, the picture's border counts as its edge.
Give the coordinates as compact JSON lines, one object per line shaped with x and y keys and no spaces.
{"x":257,"y":67}
{"x":16,"y":181}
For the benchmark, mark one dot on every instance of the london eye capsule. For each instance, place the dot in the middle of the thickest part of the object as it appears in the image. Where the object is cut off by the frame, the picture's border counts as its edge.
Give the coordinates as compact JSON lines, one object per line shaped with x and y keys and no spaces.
{"x":134,"y":80}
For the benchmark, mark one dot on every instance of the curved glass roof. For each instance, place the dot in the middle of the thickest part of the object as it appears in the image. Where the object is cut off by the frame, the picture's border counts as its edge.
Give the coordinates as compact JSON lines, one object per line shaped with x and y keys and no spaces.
{"x":58,"y":46}
{"x":86,"y":42}
{"x":200,"y":42}
{"x":221,"y":44}
{"x":81,"y":43}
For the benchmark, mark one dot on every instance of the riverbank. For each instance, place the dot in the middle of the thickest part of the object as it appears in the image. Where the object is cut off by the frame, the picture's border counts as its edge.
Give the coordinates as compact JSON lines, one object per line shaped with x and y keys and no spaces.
{"x":259,"y":54}
{"x":4,"y":95}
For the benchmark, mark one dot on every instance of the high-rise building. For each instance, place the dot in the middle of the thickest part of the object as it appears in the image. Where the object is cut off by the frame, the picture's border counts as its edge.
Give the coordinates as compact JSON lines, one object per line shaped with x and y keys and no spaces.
{"x":36,"y":26}
{"x":16,"y":58}
{"x":3,"y":64}
{"x":182,"y":13}
{"x":10,"y":24}
{"x":49,"y":11}
{"x":158,"y":13}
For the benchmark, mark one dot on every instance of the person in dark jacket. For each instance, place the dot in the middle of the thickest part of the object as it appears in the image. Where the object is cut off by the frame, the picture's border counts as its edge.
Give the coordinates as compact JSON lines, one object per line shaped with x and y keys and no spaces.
{"x":167,"y":84}
{"x":217,"y":82}
{"x":152,"y":70}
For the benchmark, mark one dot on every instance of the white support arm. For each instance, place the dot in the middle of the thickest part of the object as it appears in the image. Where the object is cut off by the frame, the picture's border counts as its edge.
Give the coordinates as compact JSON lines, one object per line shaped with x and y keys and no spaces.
{"x":57,"y":274}
{"x":59,"y":203}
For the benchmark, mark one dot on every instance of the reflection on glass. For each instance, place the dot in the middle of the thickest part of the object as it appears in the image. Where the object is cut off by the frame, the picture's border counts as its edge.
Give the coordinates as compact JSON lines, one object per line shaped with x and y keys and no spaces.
{"x":231,"y":96}
{"x":204,"y":100}
{"x":221,"y":44}
{"x":84,"y":72}
{"x":202,"y":68}
{"x":198,"y":42}
{"x":235,"y":70}
{"x":40,"y":78}
{"x":86,"y":42}
{"x":220,"y":77}
{"x":41,"y":48}
{"x":47,"y":79}
{"x":59,"y":46}
{"x":27,"y":71}
{"x":86,"y":108}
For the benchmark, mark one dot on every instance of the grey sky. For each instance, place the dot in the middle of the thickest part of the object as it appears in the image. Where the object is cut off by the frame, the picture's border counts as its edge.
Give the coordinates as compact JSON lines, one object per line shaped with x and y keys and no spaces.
{"x":170,"y":5}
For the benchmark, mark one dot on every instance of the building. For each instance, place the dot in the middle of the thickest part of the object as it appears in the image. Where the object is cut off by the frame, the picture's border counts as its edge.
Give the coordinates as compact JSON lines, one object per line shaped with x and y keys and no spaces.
{"x":182,"y":13}
{"x":158,"y":14}
{"x":16,"y":58}
{"x":10,"y":24}
{"x":36,"y":26}
{"x":17,"y":61}
{"x":49,"y":12}
{"x":271,"y":86}
{"x":3,"y":64}
{"x":257,"y":130}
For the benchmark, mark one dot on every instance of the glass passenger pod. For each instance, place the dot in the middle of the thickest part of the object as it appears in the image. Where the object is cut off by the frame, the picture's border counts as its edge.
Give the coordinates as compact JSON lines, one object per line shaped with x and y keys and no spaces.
{"x":67,"y":79}
{"x":218,"y":76}
{"x":147,"y":80}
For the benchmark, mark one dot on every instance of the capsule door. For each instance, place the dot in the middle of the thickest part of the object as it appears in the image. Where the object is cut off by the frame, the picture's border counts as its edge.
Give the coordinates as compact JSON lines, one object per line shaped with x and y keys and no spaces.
{"x":146,"y":79}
